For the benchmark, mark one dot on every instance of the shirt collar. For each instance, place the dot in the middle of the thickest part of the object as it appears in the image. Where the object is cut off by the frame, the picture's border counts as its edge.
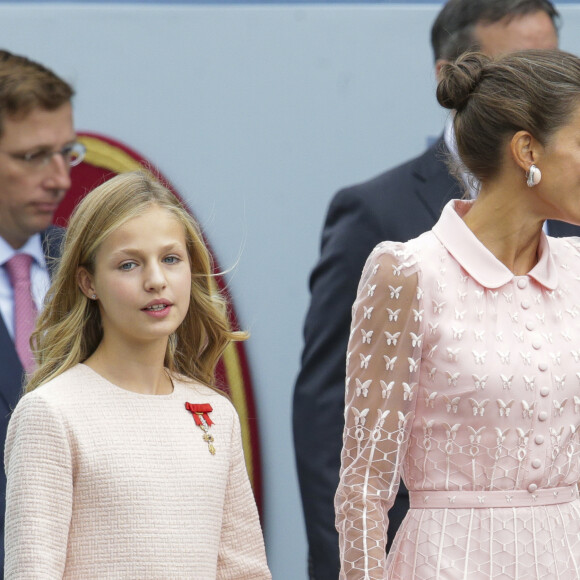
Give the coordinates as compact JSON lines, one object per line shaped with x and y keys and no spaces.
{"x":469,"y":181}
{"x":32,"y":247}
{"x":477,"y":260}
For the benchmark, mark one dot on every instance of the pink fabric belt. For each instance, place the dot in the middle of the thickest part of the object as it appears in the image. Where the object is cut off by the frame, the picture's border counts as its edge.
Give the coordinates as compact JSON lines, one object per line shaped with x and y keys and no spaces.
{"x":492,"y":499}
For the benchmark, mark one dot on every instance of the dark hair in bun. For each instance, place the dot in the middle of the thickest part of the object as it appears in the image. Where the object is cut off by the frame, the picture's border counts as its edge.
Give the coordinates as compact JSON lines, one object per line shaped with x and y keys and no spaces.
{"x":460,"y":79}
{"x":533,"y":90}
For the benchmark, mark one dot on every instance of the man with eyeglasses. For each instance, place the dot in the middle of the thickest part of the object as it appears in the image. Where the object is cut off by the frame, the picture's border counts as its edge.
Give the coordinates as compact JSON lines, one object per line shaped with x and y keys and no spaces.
{"x":37,"y":149}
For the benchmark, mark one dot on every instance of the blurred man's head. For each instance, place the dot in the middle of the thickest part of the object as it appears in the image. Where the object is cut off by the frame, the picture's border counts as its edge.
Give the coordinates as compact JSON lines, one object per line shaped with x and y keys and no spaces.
{"x":493,"y":27}
{"x":37,"y":145}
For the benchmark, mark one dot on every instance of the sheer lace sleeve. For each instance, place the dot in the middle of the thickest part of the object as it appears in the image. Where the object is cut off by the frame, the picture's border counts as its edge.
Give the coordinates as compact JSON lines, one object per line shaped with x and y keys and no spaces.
{"x":383,"y":361}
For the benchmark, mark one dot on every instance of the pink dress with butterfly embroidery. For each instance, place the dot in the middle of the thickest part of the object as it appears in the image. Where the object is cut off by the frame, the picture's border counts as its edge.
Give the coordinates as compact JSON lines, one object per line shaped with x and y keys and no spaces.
{"x":463,"y":379}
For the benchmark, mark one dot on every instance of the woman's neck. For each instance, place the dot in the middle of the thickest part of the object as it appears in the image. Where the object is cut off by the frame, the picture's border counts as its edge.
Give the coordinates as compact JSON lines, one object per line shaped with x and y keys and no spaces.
{"x":139,"y":370}
{"x":508,"y":228}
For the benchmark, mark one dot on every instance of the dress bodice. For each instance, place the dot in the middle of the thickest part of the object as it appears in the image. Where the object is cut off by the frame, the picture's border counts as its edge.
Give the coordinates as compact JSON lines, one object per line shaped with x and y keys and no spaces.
{"x":461,"y":377}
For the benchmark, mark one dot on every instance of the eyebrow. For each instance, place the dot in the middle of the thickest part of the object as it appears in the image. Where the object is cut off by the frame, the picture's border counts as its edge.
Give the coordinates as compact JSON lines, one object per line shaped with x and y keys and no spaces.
{"x":138,"y":251}
{"x":45,"y":146}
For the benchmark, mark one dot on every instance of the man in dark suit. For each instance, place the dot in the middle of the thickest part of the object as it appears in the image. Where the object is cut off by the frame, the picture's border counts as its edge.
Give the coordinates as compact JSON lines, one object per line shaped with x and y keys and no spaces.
{"x":37,"y":149}
{"x":398,"y":205}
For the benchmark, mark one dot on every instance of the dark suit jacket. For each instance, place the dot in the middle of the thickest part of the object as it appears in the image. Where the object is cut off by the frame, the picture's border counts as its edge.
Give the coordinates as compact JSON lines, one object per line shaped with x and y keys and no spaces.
{"x":398,"y":205}
{"x":12,"y":373}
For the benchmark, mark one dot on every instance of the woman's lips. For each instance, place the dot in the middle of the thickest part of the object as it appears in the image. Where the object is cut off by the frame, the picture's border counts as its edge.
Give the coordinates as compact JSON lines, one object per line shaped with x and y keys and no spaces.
{"x":158,"y":310}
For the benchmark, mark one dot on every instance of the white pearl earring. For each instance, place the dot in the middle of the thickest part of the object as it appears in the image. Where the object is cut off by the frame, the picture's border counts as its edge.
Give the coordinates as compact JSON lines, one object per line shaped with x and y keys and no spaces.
{"x":533,"y":176}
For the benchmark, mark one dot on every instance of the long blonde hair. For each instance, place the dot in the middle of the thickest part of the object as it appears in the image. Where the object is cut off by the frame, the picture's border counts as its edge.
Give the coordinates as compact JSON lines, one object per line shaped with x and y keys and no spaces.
{"x":69,"y":328}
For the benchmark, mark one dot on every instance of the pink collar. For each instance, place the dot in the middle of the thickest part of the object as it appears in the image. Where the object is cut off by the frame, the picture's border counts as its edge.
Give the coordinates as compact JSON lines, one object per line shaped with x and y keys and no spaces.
{"x":477,"y":260}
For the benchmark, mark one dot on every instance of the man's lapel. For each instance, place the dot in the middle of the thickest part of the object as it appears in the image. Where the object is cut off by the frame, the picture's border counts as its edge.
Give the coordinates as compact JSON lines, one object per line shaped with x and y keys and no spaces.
{"x":435,"y":186}
{"x":11,"y":371}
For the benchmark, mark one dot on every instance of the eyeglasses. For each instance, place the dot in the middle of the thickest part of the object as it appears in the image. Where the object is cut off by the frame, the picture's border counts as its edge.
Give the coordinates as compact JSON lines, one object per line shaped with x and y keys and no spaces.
{"x":72,"y":154}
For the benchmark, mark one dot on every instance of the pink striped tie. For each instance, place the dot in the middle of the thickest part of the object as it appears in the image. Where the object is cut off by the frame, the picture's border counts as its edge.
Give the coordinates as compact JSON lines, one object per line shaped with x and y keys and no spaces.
{"x":18,"y":268}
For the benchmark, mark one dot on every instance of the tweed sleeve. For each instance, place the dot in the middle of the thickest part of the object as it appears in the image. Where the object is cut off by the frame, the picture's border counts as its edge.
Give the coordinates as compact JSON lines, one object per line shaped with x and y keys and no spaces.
{"x":39,"y":491}
{"x":383,"y":363}
{"x":241,"y":554}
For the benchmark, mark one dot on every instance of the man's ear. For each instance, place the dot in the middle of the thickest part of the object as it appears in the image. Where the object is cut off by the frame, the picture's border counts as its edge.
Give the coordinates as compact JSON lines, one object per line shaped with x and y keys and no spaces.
{"x":86,"y":282}
{"x":438,"y":64}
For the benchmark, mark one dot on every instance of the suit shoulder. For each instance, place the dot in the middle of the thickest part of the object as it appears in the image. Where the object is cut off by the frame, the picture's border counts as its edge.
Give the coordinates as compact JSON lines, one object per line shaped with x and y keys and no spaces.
{"x":399,"y":179}
{"x":52,"y":240}
{"x":387,"y":184}
{"x":53,"y":234}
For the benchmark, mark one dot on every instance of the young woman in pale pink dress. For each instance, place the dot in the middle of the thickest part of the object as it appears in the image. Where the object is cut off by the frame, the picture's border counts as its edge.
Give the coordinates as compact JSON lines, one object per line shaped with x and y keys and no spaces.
{"x":463,"y":371}
{"x":123,"y":460}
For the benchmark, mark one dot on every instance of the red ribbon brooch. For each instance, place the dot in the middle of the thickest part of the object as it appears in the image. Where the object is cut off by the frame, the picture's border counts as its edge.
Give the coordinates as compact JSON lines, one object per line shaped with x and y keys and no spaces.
{"x":202,"y":419}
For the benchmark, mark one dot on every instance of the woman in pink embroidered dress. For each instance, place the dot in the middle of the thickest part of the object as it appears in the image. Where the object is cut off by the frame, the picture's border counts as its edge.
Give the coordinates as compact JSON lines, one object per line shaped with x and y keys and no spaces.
{"x":463,"y":372}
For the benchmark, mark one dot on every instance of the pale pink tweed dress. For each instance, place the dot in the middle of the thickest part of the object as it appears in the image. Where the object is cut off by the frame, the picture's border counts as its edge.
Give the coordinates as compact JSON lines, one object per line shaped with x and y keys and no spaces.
{"x":465,"y":380}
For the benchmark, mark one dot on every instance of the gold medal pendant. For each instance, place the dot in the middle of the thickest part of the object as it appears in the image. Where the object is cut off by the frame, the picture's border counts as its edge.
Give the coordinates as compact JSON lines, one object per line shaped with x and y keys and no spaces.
{"x":208,"y":438}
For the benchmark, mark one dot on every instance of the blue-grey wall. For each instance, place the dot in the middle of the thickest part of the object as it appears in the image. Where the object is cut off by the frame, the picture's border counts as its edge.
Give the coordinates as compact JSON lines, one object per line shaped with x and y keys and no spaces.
{"x":258,"y":113}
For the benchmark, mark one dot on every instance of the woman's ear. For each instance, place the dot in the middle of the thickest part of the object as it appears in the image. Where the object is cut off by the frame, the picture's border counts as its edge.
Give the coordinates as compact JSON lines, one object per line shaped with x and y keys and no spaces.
{"x":525,"y":149}
{"x":86,"y":282}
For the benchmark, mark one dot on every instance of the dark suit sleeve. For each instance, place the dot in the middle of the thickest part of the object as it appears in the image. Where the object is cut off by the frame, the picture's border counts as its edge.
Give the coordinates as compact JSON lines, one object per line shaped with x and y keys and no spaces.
{"x":350,"y":233}
{"x":558,"y":229}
